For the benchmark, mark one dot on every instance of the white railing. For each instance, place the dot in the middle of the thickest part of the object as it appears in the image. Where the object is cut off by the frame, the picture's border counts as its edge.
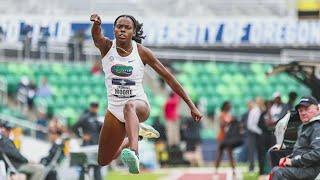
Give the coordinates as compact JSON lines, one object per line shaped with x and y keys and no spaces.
{"x":25,"y":124}
{"x":217,"y":56}
{"x":92,"y":53}
{"x":288,"y":55}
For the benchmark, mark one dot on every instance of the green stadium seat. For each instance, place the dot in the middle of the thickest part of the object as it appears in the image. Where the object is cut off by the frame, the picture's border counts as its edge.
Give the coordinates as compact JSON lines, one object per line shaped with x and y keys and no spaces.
{"x":199,"y":66}
{"x":87,"y":90}
{"x":12,"y":83}
{"x":13,"y":68}
{"x":25,"y":70}
{"x":240,"y":79}
{"x":203,"y":79}
{"x":222,"y":89}
{"x":58,"y":69}
{"x":257,"y":68}
{"x":85,"y":79}
{"x":212,"y":68}
{"x":267,"y":67}
{"x":74,"y":90}
{"x":4,"y":69}
{"x":261,"y":79}
{"x":189,"y":68}
{"x":244,"y":68}
{"x":227,"y":78}
{"x":183,"y":78}
{"x":232,"y":67}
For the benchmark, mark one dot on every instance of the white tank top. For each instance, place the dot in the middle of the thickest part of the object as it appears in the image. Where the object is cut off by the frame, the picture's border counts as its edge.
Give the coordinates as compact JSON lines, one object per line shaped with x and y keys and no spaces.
{"x":123,"y":76}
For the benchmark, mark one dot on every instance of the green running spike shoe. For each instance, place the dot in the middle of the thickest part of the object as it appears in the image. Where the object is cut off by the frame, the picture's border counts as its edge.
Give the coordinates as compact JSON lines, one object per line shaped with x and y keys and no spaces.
{"x":130,"y":158}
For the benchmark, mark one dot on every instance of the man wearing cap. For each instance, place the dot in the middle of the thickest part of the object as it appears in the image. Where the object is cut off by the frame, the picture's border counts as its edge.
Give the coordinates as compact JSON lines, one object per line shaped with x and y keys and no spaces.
{"x":304,"y":162}
{"x":5,"y":129}
{"x":88,"y":127}
{"x":15,"y":158}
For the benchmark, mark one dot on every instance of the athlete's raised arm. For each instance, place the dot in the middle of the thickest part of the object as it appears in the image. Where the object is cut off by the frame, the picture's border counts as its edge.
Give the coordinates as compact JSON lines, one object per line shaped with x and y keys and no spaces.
{"x":148,"y":58}
{"x":101,"y":42}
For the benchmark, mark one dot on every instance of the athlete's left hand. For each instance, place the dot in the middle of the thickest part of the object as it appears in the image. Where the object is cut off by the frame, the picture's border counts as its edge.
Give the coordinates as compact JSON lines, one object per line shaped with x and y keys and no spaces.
{"x":196,"y":115}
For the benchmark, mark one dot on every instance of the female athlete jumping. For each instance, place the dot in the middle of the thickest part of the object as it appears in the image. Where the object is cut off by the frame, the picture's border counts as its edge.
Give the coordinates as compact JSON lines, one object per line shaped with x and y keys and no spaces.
{"x":123,"y":62}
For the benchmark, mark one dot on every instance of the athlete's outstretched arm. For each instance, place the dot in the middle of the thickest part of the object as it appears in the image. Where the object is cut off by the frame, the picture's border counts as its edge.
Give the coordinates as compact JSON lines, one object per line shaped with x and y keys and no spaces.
{"x":101,"y":42}
{"x":149,"y":58}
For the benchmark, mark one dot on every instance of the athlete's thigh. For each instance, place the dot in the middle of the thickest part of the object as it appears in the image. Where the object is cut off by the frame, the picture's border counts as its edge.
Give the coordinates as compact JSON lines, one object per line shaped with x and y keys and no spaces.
{"x":142,"y":110}
{"x":112,"y":135}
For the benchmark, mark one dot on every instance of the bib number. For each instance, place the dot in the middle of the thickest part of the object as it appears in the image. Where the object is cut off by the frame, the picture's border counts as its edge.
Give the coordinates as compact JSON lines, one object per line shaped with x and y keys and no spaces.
{"x":123,"y":88}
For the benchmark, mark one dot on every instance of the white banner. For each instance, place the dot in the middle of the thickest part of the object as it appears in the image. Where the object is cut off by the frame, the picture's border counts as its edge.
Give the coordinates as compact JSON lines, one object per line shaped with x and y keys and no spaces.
{"x":177,"y":32}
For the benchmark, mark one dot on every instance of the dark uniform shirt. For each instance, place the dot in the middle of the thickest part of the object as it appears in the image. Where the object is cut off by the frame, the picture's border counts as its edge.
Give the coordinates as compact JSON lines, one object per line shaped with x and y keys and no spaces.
{"x":8,"y":148}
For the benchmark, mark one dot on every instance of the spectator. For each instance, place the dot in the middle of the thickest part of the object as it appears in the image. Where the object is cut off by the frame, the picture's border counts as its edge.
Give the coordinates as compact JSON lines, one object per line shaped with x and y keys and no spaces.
{"x":96,"y":68}
{"x":43,"y":42}
{"x":160,"y":127}
{"x":292,"y":99}
{"x":26,"y":37}
{"x":243,"y":156}
{"x":277,"y":108}
{"x":55,"y":124}
{"x":19,"y":162}
{"x":303,"y":163}
{"x":267,"y":139}
{"x":57,"y":146}
{"x":80,"y":37}
{"x":160,"y":145}
{"x":172,"y":119}
{"x":26,"y":92}
{"x":225,"y":119}
{"x":9,"y":131}
{"x":32,"y":88}
{"x":254,"y":132}
{"x":22,"y":90}
{"x":71,"y":48}
{"x":44,"y":90}
{"x":191,"y":133}
{"x":5,"y":129}
{"x":42,"y":122}
{"x":75,"y":45}
{"x":88,"y":128}
{"x":286,"y":134}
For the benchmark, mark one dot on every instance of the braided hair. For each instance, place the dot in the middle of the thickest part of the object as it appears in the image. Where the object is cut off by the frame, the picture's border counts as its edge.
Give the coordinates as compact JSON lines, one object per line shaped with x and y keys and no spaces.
{"x":137,"y":27}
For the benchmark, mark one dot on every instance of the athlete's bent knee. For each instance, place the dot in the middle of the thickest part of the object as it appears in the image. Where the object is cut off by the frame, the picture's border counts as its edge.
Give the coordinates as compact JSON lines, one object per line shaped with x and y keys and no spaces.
{"x":129,"y":106}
